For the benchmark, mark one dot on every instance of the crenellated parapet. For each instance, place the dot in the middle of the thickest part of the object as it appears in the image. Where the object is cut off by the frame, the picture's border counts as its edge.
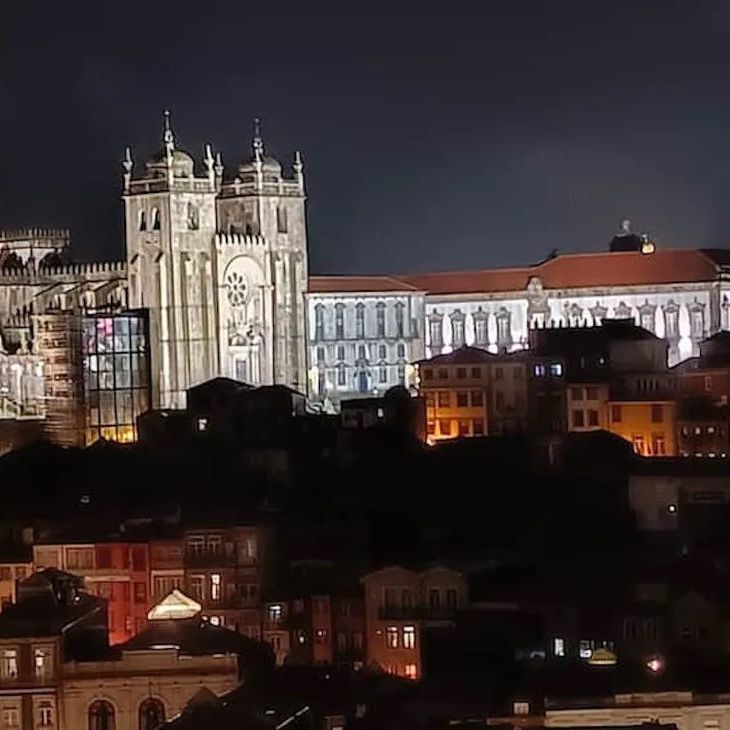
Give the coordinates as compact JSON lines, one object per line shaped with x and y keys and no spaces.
{"x":94,"y":271}
{"x":240,"y":240}
{"x":41,"y":236}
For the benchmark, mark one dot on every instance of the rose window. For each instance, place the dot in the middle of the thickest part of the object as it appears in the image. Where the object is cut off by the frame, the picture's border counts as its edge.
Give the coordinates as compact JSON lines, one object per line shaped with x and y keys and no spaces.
{"x":237,"y":289}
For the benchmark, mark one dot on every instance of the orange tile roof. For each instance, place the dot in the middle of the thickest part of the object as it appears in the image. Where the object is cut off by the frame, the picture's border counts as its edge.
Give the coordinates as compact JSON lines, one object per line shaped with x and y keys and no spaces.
{"x":566,"y":271}
{"x":331,"y":284}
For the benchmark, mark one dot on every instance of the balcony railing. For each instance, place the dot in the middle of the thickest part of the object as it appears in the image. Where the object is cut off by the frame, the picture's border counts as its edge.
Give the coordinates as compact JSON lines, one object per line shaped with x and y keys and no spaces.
{"x":417,"y":613}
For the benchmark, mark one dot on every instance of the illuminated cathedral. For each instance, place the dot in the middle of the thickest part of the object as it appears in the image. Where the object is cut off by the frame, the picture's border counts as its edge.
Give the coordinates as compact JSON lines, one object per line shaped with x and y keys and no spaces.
{"x":216,"y":283}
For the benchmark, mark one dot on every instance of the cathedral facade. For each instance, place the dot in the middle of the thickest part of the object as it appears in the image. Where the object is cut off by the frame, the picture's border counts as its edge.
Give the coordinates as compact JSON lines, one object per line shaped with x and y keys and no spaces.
{"x":215,"y":282}
{"x":221,"y":266}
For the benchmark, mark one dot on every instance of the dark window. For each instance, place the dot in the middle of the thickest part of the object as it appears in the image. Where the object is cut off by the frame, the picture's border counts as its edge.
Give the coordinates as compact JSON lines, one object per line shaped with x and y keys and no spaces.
{"x":498,"y":373}
{"x":578,"y":419}
{"x":576,"y":393}
{"x":451,"y":597}
{"x":657,"y":414}
{"x":616,"y":414}
{"x":478,"y":426}
{"x":282,"y":223}
{"x":592,"y":417}
{"x":462,"y":400}
{"x":151,"y":714}
{"x":101,"y":716}
{"x":444,"y":399}
{"x":463,"y":428}
{"x":476,"y":373}
{"x":477,"y":398}
{"x":443,"y":373}
{"x":428,"y":374}
{"x":460,"y":373}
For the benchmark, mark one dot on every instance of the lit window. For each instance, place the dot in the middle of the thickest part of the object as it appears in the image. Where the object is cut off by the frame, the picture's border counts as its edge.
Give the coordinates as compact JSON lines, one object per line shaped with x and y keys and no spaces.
{"x":638,"y":442}
{"x":559,"y":647}
{"x":202,"y":424}
{"x":710,"y":429}
{"x":42,"y":659}
{"x":445,"y":427}
{"x":275,"y":612}
{"x":585,"y":649}
{"x":556,"y":369}
{"x":11,"y":718}
{"x":409,"y":637}
{"x":320,"y":636}
{"x":410,"y":671}
{"x":45,"y":714}
{"x":391,"y":637}
{"x":9,"y":664}
{"x":215,"y":587}
{"x":539,"y":371}
{"x":521,"y":708}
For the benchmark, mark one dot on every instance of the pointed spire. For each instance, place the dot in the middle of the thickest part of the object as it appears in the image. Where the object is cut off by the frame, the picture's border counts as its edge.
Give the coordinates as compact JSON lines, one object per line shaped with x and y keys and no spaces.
{"x":127,"y":166}
{"x":258,"y":142}
{"x":127,"y":162}
{"x":168,"y":136}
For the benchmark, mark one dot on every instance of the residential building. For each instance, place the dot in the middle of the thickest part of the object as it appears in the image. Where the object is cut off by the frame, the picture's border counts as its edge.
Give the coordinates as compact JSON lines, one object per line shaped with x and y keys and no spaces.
{"x":226,"y":570}
{"x":119,"y":572}
{"x":400,"y":606}
{"x":15,"y":566}
{"x":52,"y":622}
{"x":455,"y":387}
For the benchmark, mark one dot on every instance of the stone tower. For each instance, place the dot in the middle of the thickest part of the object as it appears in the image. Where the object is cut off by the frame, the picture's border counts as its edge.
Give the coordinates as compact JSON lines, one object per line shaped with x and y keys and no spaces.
{"x":261,"y":254}
{"x":170,"y":229}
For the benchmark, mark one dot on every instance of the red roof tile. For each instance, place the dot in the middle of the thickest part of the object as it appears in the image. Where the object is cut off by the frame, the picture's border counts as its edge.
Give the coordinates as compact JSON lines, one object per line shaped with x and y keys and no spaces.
{"x":331,"y":284}
{"x":565,"y":271}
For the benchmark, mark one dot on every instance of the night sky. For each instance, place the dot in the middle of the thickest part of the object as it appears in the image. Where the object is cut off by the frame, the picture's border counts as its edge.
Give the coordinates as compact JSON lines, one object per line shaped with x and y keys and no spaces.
{"x":435,"y":136}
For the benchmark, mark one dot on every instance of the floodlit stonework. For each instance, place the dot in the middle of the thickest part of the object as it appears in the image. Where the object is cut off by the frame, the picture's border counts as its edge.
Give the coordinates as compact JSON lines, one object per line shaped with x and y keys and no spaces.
{"x":219,"y":261}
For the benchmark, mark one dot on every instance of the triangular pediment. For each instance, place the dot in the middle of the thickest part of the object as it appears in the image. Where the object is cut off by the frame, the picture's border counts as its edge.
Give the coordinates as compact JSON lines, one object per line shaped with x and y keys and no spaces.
{"x":175,"y":605}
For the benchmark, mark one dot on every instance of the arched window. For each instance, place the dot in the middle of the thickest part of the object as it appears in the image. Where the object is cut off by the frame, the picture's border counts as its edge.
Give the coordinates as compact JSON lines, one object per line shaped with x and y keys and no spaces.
{"x":142,"y":220}
{"x":155,"y":219}
{"x":101,"y":716}
{"x":151,"y":714}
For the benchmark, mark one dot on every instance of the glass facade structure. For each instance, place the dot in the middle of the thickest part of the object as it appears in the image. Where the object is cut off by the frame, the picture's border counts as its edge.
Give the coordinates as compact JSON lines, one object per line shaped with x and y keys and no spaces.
{"x":116,"y":369}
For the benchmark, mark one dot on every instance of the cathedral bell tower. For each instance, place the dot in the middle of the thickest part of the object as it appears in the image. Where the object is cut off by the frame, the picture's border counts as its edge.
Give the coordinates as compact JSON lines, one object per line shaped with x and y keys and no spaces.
{"x":170,"y":230}
{"x":262,"y":271}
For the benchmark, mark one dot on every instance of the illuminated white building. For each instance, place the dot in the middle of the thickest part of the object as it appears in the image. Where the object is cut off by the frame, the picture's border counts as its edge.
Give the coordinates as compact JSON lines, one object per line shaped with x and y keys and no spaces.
{"x":680,"y":295}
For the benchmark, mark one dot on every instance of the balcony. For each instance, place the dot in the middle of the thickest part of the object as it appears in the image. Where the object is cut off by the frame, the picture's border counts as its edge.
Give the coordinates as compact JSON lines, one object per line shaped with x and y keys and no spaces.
{"x":209,"y":559}
{"x":417,"y":613}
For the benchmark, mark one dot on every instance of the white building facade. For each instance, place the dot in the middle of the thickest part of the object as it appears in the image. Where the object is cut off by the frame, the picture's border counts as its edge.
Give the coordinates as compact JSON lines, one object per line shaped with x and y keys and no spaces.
{"x":681,"y":295}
